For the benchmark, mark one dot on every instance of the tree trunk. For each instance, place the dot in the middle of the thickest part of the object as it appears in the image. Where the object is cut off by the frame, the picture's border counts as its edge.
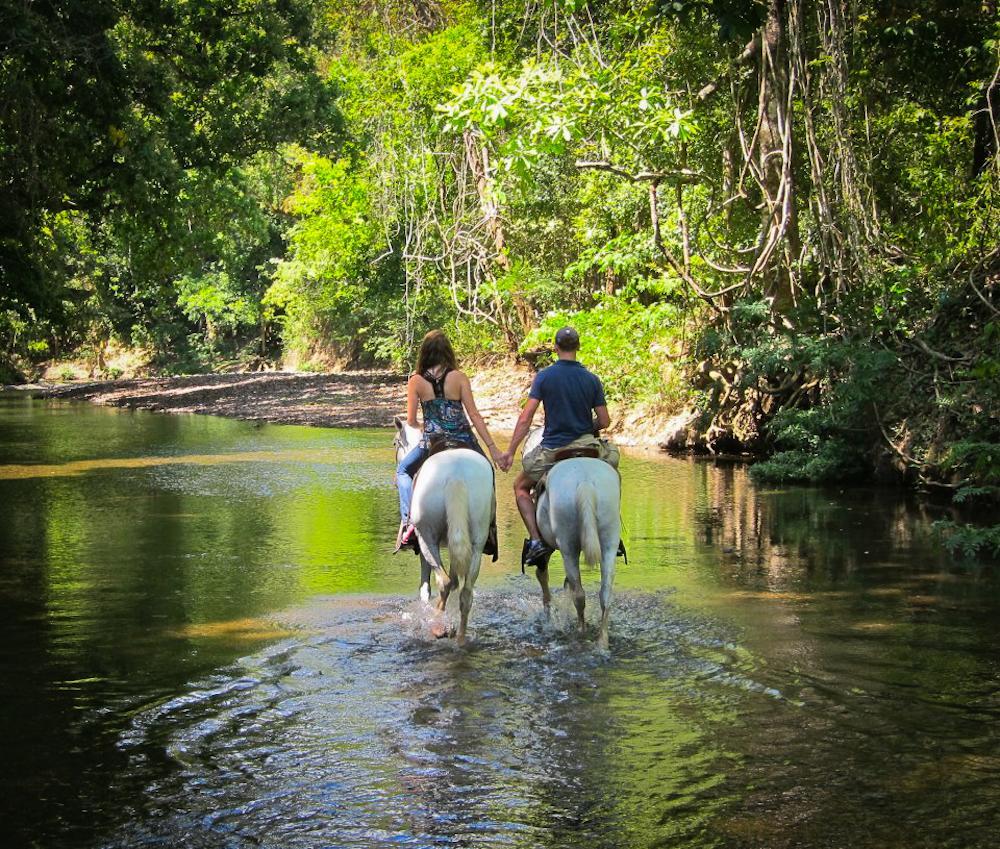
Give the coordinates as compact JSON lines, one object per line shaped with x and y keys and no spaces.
{"x":987,"y":116}
{"x":779,"y":222}
{"x":479,"y":164}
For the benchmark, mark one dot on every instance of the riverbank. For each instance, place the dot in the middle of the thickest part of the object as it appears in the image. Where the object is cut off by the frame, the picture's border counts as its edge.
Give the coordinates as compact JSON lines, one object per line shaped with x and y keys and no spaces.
{"x":344,"y":399}
{"x":358,"y":399}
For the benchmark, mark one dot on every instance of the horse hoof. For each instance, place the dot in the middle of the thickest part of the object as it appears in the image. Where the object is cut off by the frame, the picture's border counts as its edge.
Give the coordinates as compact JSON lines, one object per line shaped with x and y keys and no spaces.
{"x":439,"y":630}
{"x":425,"y":593}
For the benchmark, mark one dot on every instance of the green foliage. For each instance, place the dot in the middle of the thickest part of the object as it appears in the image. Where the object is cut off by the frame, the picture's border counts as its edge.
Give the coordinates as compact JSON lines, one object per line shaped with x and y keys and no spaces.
{"x":976,"y":463}
{"x":835,"y":439}
{"x":322,"y":284}
{"x":123,"y":126}
{"x":624,"y":263}
{"x":625,"y":343}
{"x":544,"y":110}
{"x":967,"y":540}
{"x":213,"y":299}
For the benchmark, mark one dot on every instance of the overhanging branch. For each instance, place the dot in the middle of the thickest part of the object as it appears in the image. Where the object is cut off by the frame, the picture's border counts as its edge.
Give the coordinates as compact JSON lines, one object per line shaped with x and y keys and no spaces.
{"x":749,"y":53}
{"x":681,"y":175}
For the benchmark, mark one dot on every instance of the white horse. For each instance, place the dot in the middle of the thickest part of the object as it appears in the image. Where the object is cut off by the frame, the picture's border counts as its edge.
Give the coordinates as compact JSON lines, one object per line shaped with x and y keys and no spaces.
{"x":453,"y":505}
{"x":579,"y":513}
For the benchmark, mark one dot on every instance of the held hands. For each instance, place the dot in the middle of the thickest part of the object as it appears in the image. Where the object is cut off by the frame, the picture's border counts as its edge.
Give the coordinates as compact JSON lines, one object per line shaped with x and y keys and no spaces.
{"x":497,"y":456}
{"x":503,"y":459}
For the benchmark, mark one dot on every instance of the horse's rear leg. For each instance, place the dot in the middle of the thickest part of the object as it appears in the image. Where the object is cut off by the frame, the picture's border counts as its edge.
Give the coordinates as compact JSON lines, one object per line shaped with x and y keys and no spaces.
{"x":431,"y":552}
{"x":571,"y":562}
{"x":425,"y":578}
{"x":608,"y":555}
{"x":465,"y":605}
{"x":444,"y":590}
{"x":542,"y":573}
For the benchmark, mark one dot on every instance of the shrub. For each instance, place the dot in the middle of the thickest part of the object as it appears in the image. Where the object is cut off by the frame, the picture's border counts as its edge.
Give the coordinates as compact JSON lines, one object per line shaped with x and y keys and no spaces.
{"x":624,"y":342}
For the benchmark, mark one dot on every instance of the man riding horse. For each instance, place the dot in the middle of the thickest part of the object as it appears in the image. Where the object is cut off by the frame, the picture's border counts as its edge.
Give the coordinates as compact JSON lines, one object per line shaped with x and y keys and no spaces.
{"x":575,"y":410}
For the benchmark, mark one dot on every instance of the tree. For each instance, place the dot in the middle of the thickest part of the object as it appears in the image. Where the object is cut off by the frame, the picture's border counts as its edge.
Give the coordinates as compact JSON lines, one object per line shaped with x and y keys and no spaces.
{"x":107,"y":110}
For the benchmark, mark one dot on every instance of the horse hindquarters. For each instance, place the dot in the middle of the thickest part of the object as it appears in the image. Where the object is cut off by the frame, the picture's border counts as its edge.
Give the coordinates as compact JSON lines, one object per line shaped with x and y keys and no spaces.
{"x":582,"y":515}
{"x":466,"y":503}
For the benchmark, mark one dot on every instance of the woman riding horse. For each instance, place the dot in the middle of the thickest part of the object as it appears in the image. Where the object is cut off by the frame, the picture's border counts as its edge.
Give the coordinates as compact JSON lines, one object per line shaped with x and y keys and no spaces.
{"x":445,"y":397}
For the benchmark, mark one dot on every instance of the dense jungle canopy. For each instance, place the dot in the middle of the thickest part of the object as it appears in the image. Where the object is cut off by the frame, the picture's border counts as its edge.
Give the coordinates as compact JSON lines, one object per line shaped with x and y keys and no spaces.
{"x":783,"y":212}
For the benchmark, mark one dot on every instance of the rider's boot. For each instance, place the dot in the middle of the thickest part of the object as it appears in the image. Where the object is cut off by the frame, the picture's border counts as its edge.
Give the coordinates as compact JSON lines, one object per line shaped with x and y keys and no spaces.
{"x":535,"y":552}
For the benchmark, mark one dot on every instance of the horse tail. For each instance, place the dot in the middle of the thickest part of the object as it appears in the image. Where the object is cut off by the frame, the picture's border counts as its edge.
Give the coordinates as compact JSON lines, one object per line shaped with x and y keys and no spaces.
{"x":586,"y":507}
{"x":456,"y":501}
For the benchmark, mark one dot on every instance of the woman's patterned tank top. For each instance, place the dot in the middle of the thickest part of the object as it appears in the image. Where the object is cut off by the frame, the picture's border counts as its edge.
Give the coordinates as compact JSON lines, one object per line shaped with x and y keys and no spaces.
{"x":442,"y":415}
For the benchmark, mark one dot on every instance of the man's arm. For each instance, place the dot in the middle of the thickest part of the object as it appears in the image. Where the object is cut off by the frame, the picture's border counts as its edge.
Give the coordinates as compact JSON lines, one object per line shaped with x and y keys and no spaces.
{"x":602,"y":417}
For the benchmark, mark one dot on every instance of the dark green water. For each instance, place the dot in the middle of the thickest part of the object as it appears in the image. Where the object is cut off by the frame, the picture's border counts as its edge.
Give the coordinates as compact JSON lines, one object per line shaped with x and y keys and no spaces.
{"x":205,"y":642}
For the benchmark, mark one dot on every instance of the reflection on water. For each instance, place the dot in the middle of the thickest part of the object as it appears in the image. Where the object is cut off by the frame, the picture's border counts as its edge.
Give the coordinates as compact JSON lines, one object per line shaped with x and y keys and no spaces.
{"x":208,"y":643}
{"x":367,"y":732}
{"x":76,"y":467}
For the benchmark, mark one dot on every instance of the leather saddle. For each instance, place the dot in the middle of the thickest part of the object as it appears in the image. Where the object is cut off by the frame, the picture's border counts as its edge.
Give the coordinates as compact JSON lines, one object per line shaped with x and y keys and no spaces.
{"x":438,"y":442}
{"x":572,"y":453}
{"x":565,"y":454}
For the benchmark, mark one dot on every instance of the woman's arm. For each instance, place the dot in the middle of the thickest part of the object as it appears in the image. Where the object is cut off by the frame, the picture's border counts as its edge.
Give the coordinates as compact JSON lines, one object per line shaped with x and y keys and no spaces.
{"x":523,"y":424}
{"x":412,"y":402}
{"x":477,"y":420}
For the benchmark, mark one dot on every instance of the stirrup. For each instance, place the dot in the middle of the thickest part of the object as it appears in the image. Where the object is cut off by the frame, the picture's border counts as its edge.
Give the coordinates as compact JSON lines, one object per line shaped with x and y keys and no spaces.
{"x":492,"y":548}
{"x":406,"y":537}
{"x":621,"y":550}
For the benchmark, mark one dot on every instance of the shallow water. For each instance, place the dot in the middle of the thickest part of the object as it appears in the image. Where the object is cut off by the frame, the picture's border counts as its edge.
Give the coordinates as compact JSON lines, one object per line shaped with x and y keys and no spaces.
{"x":207,"y":643}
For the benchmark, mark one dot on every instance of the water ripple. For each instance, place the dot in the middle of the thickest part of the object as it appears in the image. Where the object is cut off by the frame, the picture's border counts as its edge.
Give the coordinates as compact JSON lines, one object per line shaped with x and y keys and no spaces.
{"x":367,"y":732}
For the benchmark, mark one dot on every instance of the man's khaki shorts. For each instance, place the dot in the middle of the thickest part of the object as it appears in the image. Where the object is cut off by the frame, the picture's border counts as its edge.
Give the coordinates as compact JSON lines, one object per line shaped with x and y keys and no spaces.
{"x":539,"y":460}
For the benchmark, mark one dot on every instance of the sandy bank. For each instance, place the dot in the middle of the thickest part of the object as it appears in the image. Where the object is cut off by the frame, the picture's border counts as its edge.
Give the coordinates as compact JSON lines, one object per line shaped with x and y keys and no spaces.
{"x":347,"y":399}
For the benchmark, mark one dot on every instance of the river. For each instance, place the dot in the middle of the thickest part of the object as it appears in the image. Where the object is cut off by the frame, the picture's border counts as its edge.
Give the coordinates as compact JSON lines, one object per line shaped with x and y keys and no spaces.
{"x":207,"y":643}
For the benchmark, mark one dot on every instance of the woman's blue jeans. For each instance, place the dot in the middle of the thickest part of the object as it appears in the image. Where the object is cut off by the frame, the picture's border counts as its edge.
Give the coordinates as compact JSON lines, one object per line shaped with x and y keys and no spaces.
{"x":405,"y":471}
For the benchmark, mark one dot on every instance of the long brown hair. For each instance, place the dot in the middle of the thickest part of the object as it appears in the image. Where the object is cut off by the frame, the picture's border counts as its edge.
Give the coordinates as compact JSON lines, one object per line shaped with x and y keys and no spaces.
{"x":436,"y":350}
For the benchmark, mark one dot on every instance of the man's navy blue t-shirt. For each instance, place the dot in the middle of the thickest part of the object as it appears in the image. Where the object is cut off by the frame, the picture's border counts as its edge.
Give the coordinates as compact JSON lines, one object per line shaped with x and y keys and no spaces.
{"x":569,"y":393}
